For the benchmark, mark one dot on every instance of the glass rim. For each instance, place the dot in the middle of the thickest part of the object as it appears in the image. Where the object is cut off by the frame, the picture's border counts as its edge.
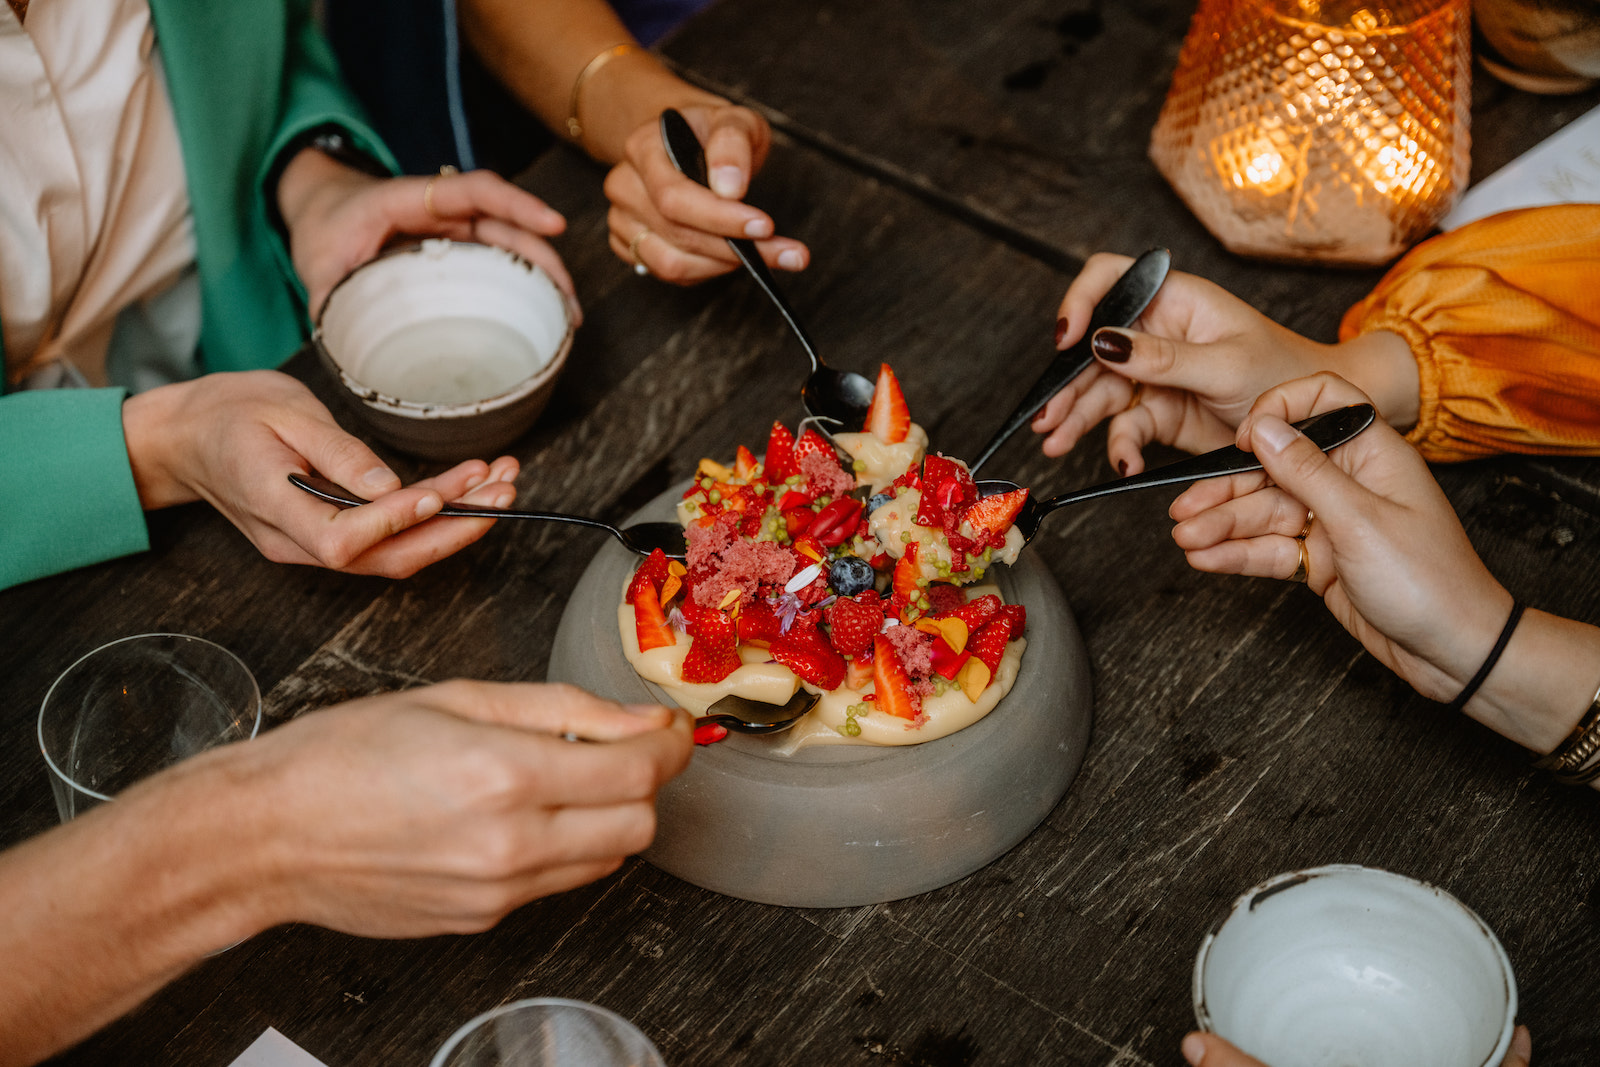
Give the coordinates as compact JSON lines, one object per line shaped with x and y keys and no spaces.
{"x":455,"y":1039}
{"x":255,"y":726}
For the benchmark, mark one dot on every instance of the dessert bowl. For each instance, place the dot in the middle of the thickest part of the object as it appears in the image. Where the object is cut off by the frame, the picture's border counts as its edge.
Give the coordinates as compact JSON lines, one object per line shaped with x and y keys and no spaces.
{"x":444,"y":349}
{"x":1346,"y":965}
{"x":840,"y":825}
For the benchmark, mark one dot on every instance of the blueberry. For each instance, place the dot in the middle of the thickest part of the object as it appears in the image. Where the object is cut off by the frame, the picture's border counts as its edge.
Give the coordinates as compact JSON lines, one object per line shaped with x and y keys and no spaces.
{"x":878,"y":500}
{"x":849,"y":575}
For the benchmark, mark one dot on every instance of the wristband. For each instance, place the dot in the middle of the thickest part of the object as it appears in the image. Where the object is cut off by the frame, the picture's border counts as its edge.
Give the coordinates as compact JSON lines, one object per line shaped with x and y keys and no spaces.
{"x":1504,"y":639}
{"x":604,"y":56}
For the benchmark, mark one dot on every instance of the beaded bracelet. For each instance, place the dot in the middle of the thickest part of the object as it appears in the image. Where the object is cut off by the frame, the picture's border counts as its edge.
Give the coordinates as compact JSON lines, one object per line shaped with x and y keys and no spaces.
{"x":1517,"y":607}
{"x":1568,"y":760}
{"x":604,"y":56}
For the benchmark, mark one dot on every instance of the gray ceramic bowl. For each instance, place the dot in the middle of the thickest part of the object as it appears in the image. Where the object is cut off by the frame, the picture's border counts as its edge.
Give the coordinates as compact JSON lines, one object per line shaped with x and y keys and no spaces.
{"x":842,"y":826}
{"x":446,"y":350}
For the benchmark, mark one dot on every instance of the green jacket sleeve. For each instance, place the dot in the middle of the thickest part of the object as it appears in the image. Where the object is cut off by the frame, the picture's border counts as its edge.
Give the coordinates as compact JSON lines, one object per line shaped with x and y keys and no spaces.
{"x":66,"y":495}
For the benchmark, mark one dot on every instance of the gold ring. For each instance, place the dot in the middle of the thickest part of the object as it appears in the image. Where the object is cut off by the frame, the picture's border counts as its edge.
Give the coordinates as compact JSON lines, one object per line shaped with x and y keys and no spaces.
{"x":1306,"y":529}
{"x":427,"y":190}
{"x":1303,"y":571}
{"x":633,"y":251}
{"x":1138,"y":395}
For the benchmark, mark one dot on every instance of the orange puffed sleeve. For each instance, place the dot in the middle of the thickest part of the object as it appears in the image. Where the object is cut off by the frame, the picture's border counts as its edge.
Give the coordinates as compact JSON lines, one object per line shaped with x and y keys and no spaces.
{"x":1503,"y":316}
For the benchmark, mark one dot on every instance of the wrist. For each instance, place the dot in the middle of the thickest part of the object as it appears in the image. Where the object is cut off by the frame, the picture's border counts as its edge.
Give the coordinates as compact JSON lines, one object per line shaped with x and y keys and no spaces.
{"x":1381,"y":364}
{"x":625,"y":95}
{"x":150,"y":422}
{"x":1544,"y":682}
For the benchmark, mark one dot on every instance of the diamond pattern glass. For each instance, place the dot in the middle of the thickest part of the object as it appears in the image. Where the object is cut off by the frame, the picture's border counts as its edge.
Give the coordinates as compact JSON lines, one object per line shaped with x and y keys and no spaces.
{"x":1325,"y":130}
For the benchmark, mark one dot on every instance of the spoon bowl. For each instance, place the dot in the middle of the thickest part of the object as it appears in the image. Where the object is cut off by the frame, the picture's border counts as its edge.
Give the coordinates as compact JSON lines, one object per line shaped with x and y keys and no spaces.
{"x":758,"y":717}
{"x":1326,"y":431}
{"x":642,"y":537}
{"x":837,"y":399}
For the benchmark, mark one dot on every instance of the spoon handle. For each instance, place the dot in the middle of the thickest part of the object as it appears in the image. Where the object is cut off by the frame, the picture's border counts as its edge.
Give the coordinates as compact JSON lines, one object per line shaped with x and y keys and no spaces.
{"x":1122,"y":305}
{"x":339,"y":496}
{"x":1326,"y":431}
{"x":686,"y":153}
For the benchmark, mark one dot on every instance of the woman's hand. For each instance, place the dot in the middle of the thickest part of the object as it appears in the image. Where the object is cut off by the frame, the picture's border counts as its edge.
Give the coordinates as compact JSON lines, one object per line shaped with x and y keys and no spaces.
{"x":233,"y":440}
{"x":1209,"y":1050}
{"x":676,"y":227}
{"x":1385,"y":552}
{"x":1203,"y":356}
{"x":439,"y":810}
{"x":339,"y":218}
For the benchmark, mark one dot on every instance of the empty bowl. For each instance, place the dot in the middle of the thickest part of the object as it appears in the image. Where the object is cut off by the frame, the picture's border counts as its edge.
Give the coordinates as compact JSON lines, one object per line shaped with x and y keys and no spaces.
{"x":444,"y":349}
{"x":1348,"y":966}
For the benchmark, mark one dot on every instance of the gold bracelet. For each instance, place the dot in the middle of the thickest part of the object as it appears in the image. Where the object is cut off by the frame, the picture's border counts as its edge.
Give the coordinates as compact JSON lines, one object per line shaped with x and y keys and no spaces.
{"x":1570,"y":762}
{"x":606,"y":55}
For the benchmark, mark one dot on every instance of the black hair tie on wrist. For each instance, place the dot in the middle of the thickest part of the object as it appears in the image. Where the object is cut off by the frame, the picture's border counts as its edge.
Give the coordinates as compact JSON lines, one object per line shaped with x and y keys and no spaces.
{"x":1500,"y":644}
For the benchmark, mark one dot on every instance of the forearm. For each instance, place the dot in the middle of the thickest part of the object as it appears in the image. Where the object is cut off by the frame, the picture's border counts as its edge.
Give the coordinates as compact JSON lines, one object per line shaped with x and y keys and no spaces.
{"x":98,"y":914}
{"x":1543,"y":683}
{"x":539,"y":57}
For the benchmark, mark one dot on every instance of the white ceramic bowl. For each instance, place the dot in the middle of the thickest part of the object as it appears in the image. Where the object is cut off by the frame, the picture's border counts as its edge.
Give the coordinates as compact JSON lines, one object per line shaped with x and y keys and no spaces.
{"x":1347,"y":966}
{"x":841,"y":826}
{"x":446,"y":350}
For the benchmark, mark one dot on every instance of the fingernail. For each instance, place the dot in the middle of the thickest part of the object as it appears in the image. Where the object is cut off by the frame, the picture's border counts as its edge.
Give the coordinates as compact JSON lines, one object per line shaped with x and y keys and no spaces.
{"x":429,"y":506}
{"x":1272,"y":431}
{"x":379,"y":478}
{"x":1194,"y":1050}
{"x":1122,"y":467}
{"x":1061,"y":330}
{"x":726,"y":181}
{"x":475,"y":481}
{"x":504,"y":498}
{"x":1522,"y":1042}
{"x":790,"y":260}
{"x":1113,"y":346}
{"x":758,"y":228}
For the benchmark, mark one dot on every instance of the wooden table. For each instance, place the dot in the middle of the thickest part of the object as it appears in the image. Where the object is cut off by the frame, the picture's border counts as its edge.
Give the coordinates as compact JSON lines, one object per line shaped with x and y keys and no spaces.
{"x":950,"y":164}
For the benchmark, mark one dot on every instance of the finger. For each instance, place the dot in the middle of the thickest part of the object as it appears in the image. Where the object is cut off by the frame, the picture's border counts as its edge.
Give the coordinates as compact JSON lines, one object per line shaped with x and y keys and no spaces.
{"x":728,"y":137}
{"x":530,"y":246}
{"x":547,"y":708}
{"x":1299,"y":399}
{"x":1212,"y":492}
{"x":1080,"y":407}
{"x":1126,"y":435}
{"x":679,"y":200}
{"x":465,"y":477}
{"x":1157,"y":360}
{"x":1209,"y":1050}
{"x":1255,"y":557}
{"x":1099,"y":273}
{"x":1302,"y":469}
{"x":477,"y":194}
{"x":1520,"y":1054}
{"x":1258,"y":514}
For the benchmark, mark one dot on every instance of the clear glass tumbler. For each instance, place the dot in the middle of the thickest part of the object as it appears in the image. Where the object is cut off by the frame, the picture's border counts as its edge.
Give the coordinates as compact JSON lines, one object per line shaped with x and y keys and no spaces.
{"x":136,"y":705}
{"x":548,"y":1032}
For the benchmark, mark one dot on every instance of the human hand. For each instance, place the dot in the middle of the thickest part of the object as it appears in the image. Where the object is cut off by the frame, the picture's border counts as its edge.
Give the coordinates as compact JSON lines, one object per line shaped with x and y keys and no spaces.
{"x":1209,"y":1050}
{"x":1203,"y":356}
{"x":1385,"y":552}
{"x":678,"y":228}
{"x":439,"y":810}
{"x":339,"y":218}
{"x":233,"y":440}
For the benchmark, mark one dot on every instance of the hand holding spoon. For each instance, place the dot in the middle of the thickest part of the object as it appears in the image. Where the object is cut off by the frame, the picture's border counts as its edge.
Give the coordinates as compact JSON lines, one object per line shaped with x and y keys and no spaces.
{"x":642,"y":537}
{"x":837,"y":397}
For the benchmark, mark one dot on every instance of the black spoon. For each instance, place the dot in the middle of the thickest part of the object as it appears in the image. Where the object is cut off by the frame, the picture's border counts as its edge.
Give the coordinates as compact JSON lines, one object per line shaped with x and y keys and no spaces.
{"x":1326,"y":431}
{"x":837,"y":397}
{"x":641,"y":537}
{"x":746,"y":716}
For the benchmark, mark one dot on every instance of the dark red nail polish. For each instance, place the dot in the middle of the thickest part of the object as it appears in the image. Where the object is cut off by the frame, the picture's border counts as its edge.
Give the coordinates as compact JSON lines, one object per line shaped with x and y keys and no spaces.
{"x":1122,"y":467}
{"x":1061,"y":331}
{"x":1111,"y":346}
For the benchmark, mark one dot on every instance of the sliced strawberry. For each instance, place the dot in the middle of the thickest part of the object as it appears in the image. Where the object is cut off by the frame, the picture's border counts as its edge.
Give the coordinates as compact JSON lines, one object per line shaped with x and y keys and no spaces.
{"x":945,"y":597}
{"x":758,"y":623}
{"x":858,"y":673}
{"x":989,"y":643}
{"x":650,"y":622}
{"x":992,"y":516}
{"x":853,"y":624}
{"x":946,"y":661}
{"x":780,"y":455}
{"x":888,"y":418}
{"x":744,"y":464}
{"x":890,"y":683}
{"x":1018,"y":616}
{"x":806,"y":652}
{"x":904,"y":583}
{"x":714,"y":651}
{"x":836,"y":521}
{"x":709,"y":733}
{"x":812,"y":443}
{"x":652,"y":572}
{"x":793,"y":499}
{"x":976,"y":612}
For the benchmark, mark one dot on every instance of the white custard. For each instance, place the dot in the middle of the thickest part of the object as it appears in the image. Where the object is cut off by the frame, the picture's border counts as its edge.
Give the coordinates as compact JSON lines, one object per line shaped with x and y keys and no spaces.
{"x":881,"y":463}
{"x":761,"y":679}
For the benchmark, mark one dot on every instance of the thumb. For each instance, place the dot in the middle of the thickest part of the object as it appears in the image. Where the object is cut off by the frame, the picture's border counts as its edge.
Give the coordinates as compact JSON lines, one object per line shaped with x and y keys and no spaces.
{"x":1157,"y":360}
{"x":1300,"y":468}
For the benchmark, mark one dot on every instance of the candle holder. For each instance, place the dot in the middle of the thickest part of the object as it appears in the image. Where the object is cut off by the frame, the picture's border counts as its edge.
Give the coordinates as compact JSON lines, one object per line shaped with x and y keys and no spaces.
{"x":1326,"y":130}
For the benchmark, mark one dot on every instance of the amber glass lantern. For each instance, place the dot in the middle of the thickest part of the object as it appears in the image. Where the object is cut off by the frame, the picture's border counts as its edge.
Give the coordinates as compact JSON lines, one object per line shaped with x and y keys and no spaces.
{"x":1327,"y":130}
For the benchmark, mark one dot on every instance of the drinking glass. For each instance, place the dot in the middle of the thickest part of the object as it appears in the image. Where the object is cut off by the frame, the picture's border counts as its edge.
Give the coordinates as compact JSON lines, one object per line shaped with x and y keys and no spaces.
{"x":548,"y":1032}
{"x":136,"y":705}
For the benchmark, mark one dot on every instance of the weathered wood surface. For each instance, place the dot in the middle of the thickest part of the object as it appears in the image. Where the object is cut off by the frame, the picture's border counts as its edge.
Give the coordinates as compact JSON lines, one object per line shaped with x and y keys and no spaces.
{"x":1239,"y":732}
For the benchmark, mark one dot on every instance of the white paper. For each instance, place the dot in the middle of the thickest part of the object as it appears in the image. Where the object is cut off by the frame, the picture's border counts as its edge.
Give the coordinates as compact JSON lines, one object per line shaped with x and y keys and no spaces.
{"x":1564,"y":168}
{"x":272,"y":1049}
